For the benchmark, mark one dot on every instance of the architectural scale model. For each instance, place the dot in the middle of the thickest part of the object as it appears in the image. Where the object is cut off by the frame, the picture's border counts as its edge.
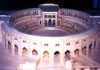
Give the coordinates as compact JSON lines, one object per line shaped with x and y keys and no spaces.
{"x":54,"y":35}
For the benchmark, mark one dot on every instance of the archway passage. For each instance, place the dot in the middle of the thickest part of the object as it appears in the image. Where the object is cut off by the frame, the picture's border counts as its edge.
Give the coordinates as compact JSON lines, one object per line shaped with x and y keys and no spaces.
{"x":57,"y":57}
{"x":24,"y":51}
{"x":16,"y":49}
{"x":45,"y":54}
{"x":9,"y":46}
{"x":90,"y":49}
{"x":34,"y":52}
{"x":67,"y":55}
{"x":49,"y":23}
{"x":76,"y":52}
{"x":84,"y":52}
{"x":46,"y":57}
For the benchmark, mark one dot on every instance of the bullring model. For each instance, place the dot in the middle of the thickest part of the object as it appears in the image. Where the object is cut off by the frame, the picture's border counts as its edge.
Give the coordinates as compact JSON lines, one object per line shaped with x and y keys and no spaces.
{"x":54,"y":34}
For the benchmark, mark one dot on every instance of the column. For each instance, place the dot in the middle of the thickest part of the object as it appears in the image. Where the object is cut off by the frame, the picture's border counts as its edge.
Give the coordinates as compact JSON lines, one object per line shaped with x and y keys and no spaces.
{"x":62,"y":58}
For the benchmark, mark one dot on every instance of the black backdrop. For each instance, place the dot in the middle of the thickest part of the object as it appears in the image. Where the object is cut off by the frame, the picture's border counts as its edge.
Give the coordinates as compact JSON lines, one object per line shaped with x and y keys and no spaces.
{"x":20,"y":4}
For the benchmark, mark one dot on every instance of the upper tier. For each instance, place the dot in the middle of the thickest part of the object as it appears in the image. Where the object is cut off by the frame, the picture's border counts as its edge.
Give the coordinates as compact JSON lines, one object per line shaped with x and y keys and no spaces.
{"x":50,"y":20}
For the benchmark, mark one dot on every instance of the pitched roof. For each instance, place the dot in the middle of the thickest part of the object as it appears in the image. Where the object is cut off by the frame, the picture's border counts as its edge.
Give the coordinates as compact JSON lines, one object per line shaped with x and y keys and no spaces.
{"x":49,"y":8}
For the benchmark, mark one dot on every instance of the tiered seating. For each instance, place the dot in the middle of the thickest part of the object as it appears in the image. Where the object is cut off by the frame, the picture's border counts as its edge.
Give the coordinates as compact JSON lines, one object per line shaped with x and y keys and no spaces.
{"x":23,"y":26}
{"x":83,"y":17}
{"x":33,"y":28}
{"x":74,"y":26}
{"x":24,"y":13}
{"x":67,"y":29}
{"x":23,"y":19}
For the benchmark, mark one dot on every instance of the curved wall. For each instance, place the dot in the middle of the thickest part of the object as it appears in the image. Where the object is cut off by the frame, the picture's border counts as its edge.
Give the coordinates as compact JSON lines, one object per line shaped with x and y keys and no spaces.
{"x":50,"y":44}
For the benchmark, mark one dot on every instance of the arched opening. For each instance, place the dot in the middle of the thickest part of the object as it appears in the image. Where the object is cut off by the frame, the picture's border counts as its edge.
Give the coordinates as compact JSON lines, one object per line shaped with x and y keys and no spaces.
{"x":76,"y":52}
{"x":24,"y":51}
{"x":68,"y":63}
{"x":49,"y":23}
{"x":16,"y":49}
{"x":90,"y":49}
{"x":67,"y":55}
{"x":84,"y":50}
{"x":34,"y":52}
{"x":9,"y":46}
{"x":57,"y":57}
{"x":46,"y":56}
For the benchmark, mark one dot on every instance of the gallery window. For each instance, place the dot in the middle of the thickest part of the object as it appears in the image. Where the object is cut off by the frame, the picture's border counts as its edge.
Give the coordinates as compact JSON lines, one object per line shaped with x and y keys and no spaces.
{"x":15,"y":38}
{"x":45,"y":16}
{"x":24,"y":41}
{"x":34,"y":43}
{"x":50,"y":16}
{"x":45,"y":44}
{"x":67,"y":43}
{"x":53,"y":16}
{"x":77,"y":42}
{"x":57,"y":44}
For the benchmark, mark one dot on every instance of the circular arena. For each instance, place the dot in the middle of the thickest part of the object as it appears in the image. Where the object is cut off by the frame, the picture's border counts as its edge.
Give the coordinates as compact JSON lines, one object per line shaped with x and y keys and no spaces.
{"x":52,"y":33}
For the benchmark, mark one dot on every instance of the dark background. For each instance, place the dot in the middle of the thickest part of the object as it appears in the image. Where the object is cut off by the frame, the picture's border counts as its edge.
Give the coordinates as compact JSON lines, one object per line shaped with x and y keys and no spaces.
{"x":90,"y":6}
{"x":21,"y":4}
